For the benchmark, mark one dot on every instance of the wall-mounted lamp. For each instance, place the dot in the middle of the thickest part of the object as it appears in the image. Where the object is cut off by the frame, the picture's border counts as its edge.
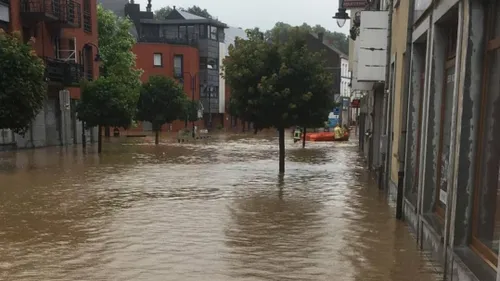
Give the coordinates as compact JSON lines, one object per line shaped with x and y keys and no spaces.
{"x":97,"y":57}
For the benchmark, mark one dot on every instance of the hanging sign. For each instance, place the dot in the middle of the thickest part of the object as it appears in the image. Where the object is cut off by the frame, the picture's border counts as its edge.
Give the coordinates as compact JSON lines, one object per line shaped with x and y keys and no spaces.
{"x":353,"y":4}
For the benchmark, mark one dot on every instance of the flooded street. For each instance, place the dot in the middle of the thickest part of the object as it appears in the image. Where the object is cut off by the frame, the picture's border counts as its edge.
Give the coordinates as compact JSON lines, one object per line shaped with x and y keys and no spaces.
{"x":208,"y":211}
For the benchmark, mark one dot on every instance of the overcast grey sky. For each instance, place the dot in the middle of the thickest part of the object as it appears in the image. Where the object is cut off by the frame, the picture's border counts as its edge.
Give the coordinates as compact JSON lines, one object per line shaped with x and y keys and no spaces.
{"x":263,"y":13}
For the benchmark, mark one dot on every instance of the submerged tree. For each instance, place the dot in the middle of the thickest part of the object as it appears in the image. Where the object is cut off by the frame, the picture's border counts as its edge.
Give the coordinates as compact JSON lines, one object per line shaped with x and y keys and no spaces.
{"x":115,"y":50}
{"x":162,"y":101}
{"x":276,"y":84}
{"x":22,"y":83}
{"x":106,"y":102}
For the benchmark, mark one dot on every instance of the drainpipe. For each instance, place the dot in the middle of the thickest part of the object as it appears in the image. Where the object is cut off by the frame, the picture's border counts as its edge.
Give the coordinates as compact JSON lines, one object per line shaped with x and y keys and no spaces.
{"x":383,"y":167}
{"x":455,"y":130}
{"x":403,"y":142}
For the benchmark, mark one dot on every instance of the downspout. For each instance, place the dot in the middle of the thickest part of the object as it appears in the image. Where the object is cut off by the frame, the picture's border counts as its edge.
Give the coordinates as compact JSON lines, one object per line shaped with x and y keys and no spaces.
{"x":383,"y":168}
{"x":455,"y":128}
{"x":403,"y":142}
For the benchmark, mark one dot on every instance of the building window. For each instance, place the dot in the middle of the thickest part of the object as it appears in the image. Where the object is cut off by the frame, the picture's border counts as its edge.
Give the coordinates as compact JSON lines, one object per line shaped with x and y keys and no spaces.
{"x":157,"y":60}
{"x":486,"y":211}
{"x":213,"y":32}
{"x":178,"y":66}
{"x":182,"y":32}
{"x":203,"y":31}
{"x":87,"y":16}
{"x":445,"y":125}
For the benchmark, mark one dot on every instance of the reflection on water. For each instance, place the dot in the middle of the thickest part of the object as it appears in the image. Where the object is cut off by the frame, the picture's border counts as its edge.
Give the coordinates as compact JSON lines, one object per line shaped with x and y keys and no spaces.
{"x":213,"y":210}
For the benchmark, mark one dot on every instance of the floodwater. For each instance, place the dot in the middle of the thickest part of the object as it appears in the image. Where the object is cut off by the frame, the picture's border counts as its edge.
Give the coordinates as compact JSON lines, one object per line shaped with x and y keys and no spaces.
{"x":215,"y":210}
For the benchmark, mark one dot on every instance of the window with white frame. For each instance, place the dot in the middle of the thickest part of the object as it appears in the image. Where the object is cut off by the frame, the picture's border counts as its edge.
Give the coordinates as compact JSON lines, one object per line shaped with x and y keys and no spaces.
{"x":157,"y":60}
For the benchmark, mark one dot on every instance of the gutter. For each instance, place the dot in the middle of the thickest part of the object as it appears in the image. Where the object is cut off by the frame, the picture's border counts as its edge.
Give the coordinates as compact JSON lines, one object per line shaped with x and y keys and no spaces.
{"x":406,"y":100}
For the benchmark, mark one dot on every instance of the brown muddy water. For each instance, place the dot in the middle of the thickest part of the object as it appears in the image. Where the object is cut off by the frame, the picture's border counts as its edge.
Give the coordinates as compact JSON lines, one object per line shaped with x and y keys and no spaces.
{"x":215,"y":210}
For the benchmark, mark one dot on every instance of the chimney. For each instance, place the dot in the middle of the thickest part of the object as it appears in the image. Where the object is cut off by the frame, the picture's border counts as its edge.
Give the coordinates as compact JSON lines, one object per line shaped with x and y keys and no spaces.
{"x":320,"y":36}
{"x":148,"y":7}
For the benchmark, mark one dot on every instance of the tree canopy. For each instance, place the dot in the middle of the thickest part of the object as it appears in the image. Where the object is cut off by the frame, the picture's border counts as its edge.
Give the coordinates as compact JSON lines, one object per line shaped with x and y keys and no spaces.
{"x":111,"y":100}
{"x":337,"y":39}
{"x":106,"y":102}
{"x":22,"y":83}
{"x":115,"y":48}
{"x":195,"y":10}
{"x":162,"y":100}
{"x":277,"y":84}
{"x":192,"y":110}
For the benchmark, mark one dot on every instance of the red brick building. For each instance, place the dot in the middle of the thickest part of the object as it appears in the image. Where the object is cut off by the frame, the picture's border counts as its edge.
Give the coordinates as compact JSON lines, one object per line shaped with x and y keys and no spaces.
{"x":64,"y":35}
{"x":178,"y":61}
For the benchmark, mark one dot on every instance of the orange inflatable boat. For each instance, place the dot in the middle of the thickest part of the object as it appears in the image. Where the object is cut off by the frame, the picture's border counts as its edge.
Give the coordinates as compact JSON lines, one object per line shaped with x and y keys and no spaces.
{"x":325,"y":136}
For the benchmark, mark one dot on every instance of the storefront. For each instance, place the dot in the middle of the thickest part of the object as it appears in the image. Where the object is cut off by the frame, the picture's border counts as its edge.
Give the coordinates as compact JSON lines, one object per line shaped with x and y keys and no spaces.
{"x":486,"y":202}
{"x":452,"y":175}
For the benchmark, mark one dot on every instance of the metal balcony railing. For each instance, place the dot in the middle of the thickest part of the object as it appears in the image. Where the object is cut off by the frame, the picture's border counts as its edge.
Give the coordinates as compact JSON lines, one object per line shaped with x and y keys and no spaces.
{"x":174,"y":41}
{"x":52,"y":11}
{"x":65,"y":72}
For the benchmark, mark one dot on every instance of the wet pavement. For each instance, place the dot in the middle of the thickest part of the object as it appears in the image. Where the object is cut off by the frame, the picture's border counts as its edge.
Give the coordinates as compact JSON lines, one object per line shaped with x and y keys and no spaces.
{"x":215,"y":210}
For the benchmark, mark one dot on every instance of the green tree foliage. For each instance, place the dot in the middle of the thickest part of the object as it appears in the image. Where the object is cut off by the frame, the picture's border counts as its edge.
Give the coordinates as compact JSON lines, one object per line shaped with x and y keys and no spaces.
{"x":115,"y":48}
{"x":336,"y":39}
{"x":192,"y":110}
{"x":106,"y":102}
{"x":195,"y":10}
{"x":111,"y":100}
{"x":276,"y":84}
{"x":162,"y":101}
{"x":22,"y":83}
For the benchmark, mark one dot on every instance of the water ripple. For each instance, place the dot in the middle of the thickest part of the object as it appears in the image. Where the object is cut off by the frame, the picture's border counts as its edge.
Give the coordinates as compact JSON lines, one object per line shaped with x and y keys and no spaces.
{"x":213,"y":210}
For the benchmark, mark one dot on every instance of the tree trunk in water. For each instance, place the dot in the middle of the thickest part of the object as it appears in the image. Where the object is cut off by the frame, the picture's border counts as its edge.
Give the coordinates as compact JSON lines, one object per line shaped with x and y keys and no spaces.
{"x":186,"y":124}
{"x":304,"y":138}
{"x":99,"y":139}
{"x":157,"y":136}
{"x":282,"y":149}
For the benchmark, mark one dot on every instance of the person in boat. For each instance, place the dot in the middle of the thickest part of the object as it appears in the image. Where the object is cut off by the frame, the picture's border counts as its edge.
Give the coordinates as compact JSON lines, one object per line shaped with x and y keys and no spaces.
{"x":338,"y":132}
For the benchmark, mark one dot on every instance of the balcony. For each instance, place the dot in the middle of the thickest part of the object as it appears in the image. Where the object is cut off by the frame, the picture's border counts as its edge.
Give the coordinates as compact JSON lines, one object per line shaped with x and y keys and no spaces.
{"x":63,"y":72}
{"x":174,"y":41}
{"x":62,"y":13}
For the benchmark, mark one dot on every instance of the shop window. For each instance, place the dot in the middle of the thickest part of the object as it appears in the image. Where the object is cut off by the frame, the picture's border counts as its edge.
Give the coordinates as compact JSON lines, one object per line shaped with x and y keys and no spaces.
{"x":445,"y":125}
{"x":486,"y":212}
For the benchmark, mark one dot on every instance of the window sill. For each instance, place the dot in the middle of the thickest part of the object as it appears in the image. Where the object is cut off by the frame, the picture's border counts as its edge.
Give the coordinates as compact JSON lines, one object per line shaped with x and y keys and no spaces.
{"x":476,"y":268}
{"x":157,"y":66}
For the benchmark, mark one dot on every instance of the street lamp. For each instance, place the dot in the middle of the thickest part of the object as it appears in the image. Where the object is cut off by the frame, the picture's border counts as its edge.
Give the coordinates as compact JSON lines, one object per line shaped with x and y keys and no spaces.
{"x":97,"y":59}
{"x":341,"y":16}
{"x":193,"y":86}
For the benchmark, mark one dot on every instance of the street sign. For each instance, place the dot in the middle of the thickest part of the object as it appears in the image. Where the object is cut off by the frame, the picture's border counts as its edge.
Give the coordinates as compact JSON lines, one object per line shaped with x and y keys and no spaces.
{"x":353,"y":4}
